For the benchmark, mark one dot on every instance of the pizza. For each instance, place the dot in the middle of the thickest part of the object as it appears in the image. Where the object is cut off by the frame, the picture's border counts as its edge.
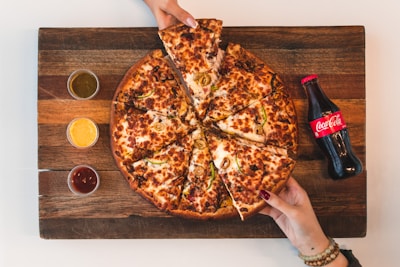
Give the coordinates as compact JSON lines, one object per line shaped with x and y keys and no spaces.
{"x":200,"y":130}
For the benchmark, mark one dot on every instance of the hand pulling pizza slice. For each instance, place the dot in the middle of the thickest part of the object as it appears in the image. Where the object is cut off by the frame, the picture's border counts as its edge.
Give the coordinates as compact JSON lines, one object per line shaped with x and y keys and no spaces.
{"x":246,"y":169}
{"x":244,"y":79}
{"x":197,"y":56}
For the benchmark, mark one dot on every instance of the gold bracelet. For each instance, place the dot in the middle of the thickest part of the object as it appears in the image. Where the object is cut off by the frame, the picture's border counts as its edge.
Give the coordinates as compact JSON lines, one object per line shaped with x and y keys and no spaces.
{"x":323,"y":258}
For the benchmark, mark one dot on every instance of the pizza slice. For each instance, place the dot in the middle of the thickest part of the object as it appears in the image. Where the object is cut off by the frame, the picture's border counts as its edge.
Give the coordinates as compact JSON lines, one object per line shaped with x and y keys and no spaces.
{"x":271,"y":120}
{"x":244,"y":79}
{"x":196,"y":54}
{"x":152,"y":84}
{"x":204,"y":195}
{"x":246,"y":168}
{"x":135,"y":134}
{"x":160,"y":176}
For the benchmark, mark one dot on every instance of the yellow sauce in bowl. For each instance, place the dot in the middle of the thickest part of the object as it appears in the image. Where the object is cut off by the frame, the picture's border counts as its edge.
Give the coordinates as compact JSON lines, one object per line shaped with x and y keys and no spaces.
{"x":82,"y":132}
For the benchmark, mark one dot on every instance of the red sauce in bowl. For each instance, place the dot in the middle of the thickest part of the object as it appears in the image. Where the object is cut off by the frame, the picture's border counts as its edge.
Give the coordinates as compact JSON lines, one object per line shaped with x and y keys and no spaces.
{"x":83,"y":179}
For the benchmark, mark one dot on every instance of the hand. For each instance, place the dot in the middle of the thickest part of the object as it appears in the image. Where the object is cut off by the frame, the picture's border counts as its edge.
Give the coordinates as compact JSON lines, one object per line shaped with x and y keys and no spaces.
{"x":293,"y":213}
{"x":168,"y":12}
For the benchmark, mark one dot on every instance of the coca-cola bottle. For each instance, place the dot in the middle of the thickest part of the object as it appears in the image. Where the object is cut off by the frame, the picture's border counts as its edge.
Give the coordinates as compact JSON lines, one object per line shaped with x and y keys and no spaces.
{"x":330,"y":131}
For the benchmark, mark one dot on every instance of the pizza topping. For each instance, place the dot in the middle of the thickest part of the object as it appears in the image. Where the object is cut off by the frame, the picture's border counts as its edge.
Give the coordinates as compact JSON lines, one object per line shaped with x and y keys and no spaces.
{"x":199,"y":171}
{"x":214,"y":87}
{"x":239,"y":168}
{"x":264,"y":115}
{"x":162,"y":76}
{"x":155,"y":162}
{"x":212,"y":178}
{"x":146,"y":95}
{"x":188,"y":36}
{"x":159,"y":126}
{"x":225,"y":163}
{"x":226,"y":202}
{"x":273,"y":82}
{"x":202,"y":79}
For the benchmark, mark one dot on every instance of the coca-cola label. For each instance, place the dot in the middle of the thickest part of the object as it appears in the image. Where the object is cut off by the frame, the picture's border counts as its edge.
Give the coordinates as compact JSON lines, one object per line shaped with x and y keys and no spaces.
{"x":328,"y":124}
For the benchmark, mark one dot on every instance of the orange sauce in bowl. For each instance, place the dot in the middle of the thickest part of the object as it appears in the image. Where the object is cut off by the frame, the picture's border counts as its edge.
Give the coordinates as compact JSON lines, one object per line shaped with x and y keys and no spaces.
{"x":82,"y":132}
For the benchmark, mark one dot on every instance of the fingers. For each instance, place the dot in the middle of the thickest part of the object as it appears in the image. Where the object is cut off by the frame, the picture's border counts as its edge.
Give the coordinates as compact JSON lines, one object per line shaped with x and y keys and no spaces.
{"x":281,"y":203}
{"x":271,"y":212}
{"x":275,"y":202}
{"x":293,"y":184}
{"x":168,"y":12}
{"x":181,"y":15}
{"x":165,"y":20}
{"x":172,"y":8}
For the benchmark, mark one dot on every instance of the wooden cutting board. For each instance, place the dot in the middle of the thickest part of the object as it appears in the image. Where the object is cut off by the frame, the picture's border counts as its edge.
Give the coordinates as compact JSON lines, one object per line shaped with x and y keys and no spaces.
{"x":337,"y":54}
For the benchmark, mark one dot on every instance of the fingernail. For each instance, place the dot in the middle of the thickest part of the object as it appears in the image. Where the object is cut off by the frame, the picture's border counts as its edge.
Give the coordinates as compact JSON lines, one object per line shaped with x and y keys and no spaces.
{"x":191,"y":22}
{"x":265,"y":195}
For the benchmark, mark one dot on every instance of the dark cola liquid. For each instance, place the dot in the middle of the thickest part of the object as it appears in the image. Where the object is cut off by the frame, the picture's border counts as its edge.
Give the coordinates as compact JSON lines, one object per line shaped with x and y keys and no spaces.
{"x":330,"y":131}
{"x":342,"y":162}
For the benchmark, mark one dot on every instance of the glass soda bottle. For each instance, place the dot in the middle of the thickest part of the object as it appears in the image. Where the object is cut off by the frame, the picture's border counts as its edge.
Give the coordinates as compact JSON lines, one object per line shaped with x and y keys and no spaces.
{"x":330,"y":131}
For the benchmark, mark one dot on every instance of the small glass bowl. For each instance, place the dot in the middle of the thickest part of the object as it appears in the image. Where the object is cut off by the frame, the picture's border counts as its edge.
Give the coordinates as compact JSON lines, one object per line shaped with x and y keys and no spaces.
{"x":82,"y":132}
{"x":83,"y":180}
{"x":83,"y":84}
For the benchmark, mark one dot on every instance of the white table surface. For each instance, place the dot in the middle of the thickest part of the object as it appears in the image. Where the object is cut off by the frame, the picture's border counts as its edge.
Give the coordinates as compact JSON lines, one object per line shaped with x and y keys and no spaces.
{"x":20,"y":244}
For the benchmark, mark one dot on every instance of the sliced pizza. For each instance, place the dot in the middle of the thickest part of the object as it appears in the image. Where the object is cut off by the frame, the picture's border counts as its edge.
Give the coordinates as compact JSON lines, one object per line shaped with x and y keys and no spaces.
{"x":200,"y":133}
{"x":244,"y":79}
{"x":152,"y":84}
{"x":246,"y":168}
{"x":196,"y":54}
{"x":136,"y":134}
{"x":160,"y":177}
{"x":204,"y":195}
{"x":271,"y":120}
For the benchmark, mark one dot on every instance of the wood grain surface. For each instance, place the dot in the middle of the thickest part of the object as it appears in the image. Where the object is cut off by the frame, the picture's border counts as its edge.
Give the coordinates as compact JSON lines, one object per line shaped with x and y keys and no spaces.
{"x":337,"y":54}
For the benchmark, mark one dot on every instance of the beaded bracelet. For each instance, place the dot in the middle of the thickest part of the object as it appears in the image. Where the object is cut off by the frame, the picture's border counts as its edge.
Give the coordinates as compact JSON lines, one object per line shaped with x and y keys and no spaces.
{"x":324,"y":257}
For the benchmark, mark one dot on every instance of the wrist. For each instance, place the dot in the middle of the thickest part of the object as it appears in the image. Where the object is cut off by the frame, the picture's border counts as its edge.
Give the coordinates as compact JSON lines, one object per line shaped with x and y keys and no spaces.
{"x":313,"y":245}
{"x":324,"y":258}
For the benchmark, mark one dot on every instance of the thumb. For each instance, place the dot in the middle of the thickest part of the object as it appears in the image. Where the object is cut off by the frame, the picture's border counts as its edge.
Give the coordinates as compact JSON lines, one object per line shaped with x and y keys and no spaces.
{"x":276,"y":202}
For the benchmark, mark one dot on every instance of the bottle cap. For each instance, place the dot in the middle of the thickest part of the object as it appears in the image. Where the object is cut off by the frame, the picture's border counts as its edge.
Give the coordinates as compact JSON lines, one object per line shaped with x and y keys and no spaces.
{"x":309,"y":78}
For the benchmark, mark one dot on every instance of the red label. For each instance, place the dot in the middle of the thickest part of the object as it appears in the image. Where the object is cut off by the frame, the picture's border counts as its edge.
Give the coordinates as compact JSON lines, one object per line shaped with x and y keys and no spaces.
{"x":328,"y":125}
